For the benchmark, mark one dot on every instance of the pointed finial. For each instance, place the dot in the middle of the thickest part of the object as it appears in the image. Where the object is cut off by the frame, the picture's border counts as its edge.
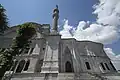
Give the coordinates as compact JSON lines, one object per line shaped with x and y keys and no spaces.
{"x":57,"y":6}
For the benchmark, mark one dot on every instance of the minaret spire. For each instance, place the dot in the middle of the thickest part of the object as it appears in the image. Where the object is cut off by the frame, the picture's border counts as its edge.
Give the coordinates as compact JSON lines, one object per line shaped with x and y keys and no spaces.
{"x":55,"y":20}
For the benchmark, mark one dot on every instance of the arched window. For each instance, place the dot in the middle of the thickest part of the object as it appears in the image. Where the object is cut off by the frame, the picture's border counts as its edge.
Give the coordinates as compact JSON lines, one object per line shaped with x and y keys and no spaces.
{"x":20,"y":66}
{"x":87,"y":65}
{"x":102,"y":66}
{"x":107,"y":66}
{"x":68,"y":67}
{"x":27,"y":65}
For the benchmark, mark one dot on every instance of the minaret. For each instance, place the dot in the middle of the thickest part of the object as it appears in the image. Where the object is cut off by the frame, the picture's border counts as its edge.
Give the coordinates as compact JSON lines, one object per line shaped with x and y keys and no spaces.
{"x":55,"y":20}
{"x":51,"y":62}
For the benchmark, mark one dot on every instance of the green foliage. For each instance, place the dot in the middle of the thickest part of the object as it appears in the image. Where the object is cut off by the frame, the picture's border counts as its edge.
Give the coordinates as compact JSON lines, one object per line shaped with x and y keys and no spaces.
{"x":25,"y":32}
{"x":3,"y":19}
{"x":22,"y":40}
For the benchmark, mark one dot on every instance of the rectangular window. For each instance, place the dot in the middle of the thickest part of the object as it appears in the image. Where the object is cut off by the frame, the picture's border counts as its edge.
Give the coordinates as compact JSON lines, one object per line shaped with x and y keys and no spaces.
{"x":87,"y":65}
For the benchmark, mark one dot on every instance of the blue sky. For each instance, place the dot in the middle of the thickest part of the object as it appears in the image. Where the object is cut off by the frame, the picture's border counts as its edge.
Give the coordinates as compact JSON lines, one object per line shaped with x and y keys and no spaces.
{"x":40,"y":11}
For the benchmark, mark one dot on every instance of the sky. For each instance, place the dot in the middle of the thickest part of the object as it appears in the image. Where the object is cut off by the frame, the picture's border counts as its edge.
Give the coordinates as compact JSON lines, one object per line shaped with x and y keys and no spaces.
{"x":94,"y":20}
{"x":41,"y":10}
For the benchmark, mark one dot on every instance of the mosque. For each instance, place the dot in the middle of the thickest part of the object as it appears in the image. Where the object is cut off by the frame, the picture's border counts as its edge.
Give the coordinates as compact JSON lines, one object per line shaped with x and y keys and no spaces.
{"x":51,"y":57}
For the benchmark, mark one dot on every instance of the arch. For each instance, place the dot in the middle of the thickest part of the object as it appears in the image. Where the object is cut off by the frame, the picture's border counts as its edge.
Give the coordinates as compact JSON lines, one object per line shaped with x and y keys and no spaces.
{"x":68,"y":67}
{"x":68,"y":60}
{"x":20,"y":66}
{"x":27,"y":65}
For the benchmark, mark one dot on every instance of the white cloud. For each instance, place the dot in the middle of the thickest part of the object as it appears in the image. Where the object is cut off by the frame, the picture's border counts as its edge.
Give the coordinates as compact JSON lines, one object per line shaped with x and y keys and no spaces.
{"x":108,"y":12}
{"x":110,"y":53}
{"x":66,"y":30}
{"x":114,"y":58}
{"x":108,"y":21}
{"x":95,"y":32}
{"x":105,"y":30}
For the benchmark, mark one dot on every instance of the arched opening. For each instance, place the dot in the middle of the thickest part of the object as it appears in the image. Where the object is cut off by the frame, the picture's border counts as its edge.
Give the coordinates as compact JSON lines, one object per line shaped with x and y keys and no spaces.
{"x":20,"y":66}
{"x":68,"y":67}
{"x":87,"y":65}
{"x":27,"y":65}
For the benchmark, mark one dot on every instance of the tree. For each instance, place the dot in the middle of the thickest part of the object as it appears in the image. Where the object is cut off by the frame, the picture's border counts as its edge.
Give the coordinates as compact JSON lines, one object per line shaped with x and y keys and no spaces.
{"x":22,"y":40}
{"x":3,"y":19}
